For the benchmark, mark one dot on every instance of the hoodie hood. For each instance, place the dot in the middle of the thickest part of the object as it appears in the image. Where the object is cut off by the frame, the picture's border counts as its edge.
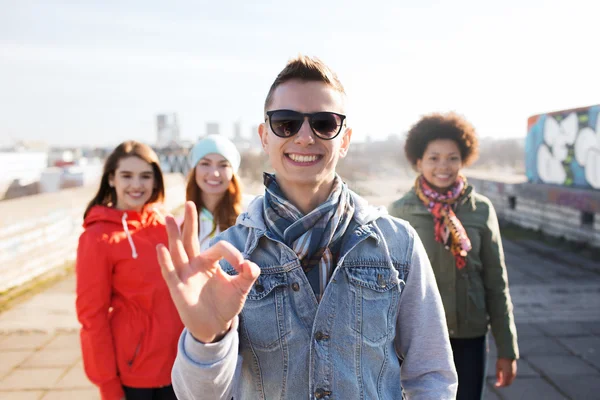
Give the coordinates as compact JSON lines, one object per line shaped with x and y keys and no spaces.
{"x":151,"y":214}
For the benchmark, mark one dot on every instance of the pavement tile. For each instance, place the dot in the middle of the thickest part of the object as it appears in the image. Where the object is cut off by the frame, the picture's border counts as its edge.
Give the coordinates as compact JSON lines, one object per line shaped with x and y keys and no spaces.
{"x":524,"y":370}
{"x":532,"y":276}
{"x":46,"y":312}
{"x":541,"y":346}
{"x":21,"y":395}
{"x":525,"y":330}
{"x":11,"y":359}
{"x":75,"y":378}
{"x":562,"y":365}
{"x":64,"y":341}
{"x":66,"y":285}
{"x":518,"y":277}
{"x":579,"y":387}
{"x":88,"y":394}
{"x":568,"y":259}
{"x":564,"y":329}
{"x":513,"y":248}
{"x":30,"y":379}
{"x":24,"y":341}
{"x":593,"y":327}
{"x":587,"y":347}
{"x":52,"y":358}
{"x":530,"y":389}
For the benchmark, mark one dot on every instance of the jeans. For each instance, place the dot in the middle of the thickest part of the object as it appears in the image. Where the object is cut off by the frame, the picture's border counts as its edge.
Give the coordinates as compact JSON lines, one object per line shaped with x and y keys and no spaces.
{"x":470,"y":358}
{"x":163,"y":393}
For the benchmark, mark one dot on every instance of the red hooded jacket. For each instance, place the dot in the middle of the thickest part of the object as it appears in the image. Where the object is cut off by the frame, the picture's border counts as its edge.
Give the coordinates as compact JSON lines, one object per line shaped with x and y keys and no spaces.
{"x":130,"y":326}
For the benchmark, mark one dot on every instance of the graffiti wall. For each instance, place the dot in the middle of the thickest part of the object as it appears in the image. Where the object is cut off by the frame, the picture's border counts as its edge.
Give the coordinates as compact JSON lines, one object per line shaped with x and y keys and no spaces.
{"x":563,"y":148}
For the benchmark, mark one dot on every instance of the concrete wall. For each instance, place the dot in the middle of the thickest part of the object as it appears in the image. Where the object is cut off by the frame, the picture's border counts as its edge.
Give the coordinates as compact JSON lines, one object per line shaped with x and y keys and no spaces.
{"x":557,"y":211}
{"x":39,"y":233}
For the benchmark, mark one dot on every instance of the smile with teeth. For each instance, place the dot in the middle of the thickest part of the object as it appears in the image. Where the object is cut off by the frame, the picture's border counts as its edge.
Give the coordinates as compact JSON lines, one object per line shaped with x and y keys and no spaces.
{"x":136,"y":194}
{"x":299,"y":158}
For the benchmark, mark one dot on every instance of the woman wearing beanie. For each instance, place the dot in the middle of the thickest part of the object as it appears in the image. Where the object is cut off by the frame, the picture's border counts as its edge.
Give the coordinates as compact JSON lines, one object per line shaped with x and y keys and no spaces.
{"x":213,"y":185}
{"x":460,"y":231}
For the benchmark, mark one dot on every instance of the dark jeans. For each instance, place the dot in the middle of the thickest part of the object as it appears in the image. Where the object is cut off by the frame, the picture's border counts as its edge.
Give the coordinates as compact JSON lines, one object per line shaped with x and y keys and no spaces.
{"x":163,"y":393}
{"x":470,"y":358}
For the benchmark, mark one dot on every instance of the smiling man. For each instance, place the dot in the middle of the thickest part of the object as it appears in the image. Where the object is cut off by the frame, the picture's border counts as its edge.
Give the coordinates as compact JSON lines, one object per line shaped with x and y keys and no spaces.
{"x":314,"y":294}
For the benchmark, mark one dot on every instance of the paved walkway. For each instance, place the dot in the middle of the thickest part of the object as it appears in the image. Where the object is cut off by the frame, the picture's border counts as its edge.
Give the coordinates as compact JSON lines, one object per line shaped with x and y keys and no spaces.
{"x":39,"y":348}
{"x":557,"y":308}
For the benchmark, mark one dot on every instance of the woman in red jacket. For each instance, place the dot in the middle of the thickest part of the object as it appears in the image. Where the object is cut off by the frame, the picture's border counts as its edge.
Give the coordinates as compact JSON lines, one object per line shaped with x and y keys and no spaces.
{"x":130,"y":326}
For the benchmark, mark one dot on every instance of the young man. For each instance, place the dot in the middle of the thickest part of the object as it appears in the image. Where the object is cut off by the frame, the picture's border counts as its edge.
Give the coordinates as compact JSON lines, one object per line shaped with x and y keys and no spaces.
{"x":317,"y":294}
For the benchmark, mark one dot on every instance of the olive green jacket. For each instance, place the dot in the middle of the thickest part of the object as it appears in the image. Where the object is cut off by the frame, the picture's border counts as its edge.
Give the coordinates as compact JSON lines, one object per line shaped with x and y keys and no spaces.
{"x":477,"y":296}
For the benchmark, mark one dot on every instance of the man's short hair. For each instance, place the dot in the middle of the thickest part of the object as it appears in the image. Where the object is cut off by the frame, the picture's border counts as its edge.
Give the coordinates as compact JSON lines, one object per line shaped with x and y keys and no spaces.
{"x":307,"y":69}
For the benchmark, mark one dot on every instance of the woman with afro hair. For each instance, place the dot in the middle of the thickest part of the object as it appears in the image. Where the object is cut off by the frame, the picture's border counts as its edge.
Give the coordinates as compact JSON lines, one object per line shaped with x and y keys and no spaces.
{"x":459,"y":229}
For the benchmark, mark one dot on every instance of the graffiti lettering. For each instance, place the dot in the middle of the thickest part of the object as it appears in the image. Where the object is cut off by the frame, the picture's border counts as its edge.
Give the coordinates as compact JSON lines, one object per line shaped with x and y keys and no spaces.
{"x":564,"y":148}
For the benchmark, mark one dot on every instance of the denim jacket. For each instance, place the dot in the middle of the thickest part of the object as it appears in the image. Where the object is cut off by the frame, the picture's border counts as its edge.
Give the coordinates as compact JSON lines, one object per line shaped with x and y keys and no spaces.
{"x":378,"y":331}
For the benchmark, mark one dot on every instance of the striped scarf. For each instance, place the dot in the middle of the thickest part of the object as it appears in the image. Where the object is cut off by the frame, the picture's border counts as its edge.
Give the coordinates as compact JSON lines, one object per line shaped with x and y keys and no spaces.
{"x":447,"y":227}
{"x":316,"y":237}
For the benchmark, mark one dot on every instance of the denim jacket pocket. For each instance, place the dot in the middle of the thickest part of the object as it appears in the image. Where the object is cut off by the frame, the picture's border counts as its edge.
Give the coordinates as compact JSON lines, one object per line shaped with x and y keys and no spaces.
{"x":263,"y":318}
{"x":376,"y":294}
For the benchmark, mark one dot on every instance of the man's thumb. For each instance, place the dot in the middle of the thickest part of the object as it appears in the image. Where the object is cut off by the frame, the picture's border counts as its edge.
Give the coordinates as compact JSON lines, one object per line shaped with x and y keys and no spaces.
{"x":247,"y":274}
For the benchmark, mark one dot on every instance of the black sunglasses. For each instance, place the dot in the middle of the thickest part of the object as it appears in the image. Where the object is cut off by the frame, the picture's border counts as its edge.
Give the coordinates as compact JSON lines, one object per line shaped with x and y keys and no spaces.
{"x":325,"y":125}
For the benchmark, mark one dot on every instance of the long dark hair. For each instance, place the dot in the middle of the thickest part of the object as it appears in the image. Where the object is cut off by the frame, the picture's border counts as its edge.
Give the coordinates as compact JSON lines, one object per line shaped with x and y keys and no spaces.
{"x":228,"y":208}
{"x":106,"y":195}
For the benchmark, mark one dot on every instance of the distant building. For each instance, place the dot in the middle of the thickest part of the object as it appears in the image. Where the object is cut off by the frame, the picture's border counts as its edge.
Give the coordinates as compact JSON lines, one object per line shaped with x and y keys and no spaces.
{"x":167,"y":130}
{"x":212,"y":128}
{"x":254,"y":138}
{"x":237,"y":131}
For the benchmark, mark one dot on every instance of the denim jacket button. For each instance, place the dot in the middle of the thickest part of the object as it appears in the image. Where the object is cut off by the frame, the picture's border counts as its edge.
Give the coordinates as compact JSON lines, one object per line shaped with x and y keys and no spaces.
{"x":319,"y":336}
{"x":259,"y":288}
{"x":295,"y":286}
{"x":380,"y":280}
{"x":321,"y":393}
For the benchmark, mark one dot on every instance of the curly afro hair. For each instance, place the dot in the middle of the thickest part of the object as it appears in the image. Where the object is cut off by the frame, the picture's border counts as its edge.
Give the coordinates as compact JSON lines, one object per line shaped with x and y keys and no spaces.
{"x":442,"y":126}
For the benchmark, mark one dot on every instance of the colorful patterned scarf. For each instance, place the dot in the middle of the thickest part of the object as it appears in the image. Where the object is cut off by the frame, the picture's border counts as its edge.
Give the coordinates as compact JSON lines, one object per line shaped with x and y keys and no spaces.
{"x":447,"y":227}
{"x":316,"y":237}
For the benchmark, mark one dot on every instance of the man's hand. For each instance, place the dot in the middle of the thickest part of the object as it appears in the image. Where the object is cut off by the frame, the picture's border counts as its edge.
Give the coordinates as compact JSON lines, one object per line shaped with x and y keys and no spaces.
{"x":206,"y":298}
{"x":506,"y":372}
